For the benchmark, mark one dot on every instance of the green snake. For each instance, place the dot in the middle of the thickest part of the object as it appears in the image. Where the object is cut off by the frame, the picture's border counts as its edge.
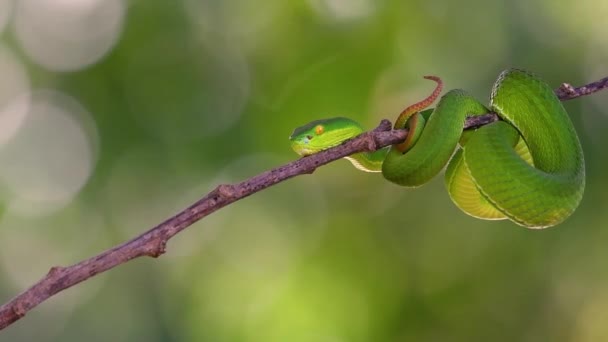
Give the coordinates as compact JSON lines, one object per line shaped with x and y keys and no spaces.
{"x":527,"y":167}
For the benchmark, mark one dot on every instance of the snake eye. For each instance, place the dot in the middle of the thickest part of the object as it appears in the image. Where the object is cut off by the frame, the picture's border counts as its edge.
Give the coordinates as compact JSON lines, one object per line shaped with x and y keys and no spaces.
{"x":319,"y":130}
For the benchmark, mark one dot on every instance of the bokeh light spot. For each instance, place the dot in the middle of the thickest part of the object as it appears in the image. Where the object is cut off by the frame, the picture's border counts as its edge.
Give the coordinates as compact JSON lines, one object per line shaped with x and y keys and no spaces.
{"x":14,"y":85}
{"x":591,"y":324}
{"x":189,"y":90}
{"x":51,"y":156}
{"x":344,"y":9}
{"x":6,"y":8}
{"x":68,"y":35}
{"x":145,"y":187}
{"x":565,"y":24}
{"x":262,"y":240}
{"x":315,"y":306}
{"x":249,"y":20}
{"x":30,"y":246}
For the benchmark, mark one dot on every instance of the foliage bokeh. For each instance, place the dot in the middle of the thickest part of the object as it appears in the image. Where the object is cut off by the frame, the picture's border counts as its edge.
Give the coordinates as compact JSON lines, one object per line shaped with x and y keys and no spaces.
{"x":116,"y":114}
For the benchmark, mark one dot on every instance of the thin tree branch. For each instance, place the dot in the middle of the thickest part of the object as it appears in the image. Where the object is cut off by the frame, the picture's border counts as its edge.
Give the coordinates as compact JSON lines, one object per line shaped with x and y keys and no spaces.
{"x":153,"y":242}
{"x":567,"y":92}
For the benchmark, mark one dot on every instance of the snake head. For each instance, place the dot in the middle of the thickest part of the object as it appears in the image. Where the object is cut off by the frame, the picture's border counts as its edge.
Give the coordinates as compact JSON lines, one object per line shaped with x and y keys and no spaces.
{"x":319,"y":135}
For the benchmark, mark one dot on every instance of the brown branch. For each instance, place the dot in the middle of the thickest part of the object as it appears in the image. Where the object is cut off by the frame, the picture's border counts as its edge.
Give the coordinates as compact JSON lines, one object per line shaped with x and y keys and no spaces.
{"x":567,"y":92}
{"x":152,"y":243}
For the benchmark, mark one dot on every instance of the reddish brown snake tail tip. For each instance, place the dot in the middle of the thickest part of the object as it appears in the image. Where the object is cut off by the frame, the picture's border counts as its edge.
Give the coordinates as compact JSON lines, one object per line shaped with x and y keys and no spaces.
{"x":418,"y":106}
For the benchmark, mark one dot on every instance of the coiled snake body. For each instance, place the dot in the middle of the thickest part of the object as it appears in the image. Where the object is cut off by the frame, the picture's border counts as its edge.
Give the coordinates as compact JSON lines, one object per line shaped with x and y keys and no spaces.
{"x":528,"y":167}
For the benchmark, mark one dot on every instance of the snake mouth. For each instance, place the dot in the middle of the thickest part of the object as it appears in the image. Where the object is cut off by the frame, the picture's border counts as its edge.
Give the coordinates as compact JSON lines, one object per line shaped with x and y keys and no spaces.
{"x":302,"y":149}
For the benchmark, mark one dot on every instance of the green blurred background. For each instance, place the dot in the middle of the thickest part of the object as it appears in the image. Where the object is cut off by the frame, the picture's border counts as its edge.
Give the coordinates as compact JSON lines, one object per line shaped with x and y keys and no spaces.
{"x":115,"y":114}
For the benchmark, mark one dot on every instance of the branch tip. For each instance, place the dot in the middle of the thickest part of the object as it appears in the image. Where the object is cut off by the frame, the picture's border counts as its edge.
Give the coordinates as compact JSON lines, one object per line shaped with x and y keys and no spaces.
{"x":567,"y":88}
{"x":383,"y":126}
